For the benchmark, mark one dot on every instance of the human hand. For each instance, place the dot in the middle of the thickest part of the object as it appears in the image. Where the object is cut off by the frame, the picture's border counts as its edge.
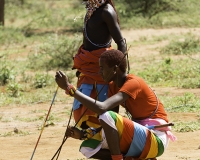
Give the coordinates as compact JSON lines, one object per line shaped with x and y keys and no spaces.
{"x":74,"y":132}
{"x":62,"y":80}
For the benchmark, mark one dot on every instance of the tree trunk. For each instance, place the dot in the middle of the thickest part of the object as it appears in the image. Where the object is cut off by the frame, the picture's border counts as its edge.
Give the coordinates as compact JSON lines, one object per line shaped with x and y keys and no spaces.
{"x":2,"y":2}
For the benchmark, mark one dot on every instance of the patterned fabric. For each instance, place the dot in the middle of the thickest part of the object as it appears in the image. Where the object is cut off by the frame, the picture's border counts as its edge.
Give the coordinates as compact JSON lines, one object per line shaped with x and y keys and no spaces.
{"x":88,"y":133}
{"x":135,"y":140}
{"x":89,"y":83}
{"x":157,"y":121}
{"x":90,"y":118}
{"x":91,"y":146}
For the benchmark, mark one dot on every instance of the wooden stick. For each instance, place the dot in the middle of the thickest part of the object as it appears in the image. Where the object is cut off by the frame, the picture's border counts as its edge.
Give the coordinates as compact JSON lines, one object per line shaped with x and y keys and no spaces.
{"x":44,"y":123}
{"x":160,"y":126}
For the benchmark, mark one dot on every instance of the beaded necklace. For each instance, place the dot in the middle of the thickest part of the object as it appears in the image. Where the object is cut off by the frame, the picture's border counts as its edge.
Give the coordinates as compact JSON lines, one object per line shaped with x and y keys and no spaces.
{"x":91,"y":6}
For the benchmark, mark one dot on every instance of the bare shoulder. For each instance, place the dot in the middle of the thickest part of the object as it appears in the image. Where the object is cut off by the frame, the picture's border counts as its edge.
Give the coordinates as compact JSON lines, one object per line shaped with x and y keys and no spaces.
{"x":109,"y":15}
{"x":109,"y":11}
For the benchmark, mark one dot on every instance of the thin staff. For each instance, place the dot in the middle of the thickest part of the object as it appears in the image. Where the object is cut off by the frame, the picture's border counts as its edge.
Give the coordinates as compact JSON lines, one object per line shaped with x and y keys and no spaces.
{"x":160,"y":126}
{"x":44,"y":122}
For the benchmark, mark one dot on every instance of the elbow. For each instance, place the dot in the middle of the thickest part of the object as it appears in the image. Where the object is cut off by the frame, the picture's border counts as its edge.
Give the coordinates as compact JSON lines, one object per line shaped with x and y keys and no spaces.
{"x":101,"y":110}
{"x":122,"y":46}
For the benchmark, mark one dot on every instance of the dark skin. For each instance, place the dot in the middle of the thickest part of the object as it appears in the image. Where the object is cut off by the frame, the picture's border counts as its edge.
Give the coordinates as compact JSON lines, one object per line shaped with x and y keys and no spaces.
{"x":108,"y":74}
{"x":102,"y":27}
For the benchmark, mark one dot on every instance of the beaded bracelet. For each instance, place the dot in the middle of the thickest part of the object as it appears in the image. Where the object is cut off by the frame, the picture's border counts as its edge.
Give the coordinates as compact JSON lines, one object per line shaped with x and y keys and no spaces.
{"x":70,"y":90}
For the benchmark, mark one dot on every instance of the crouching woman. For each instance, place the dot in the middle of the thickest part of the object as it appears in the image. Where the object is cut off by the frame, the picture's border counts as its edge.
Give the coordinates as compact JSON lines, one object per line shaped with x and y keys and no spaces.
{"x":125,"y":138}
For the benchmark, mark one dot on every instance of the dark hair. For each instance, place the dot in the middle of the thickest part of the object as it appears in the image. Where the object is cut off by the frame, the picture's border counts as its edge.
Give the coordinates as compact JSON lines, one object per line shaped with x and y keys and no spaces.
{"x":114,"y":57}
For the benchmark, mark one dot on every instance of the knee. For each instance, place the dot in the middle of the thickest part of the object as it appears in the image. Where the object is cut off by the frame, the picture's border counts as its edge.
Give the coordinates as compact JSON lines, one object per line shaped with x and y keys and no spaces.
{"x":103,"y":118}
{"x":106,"y":119}
{"x":106,"y":116}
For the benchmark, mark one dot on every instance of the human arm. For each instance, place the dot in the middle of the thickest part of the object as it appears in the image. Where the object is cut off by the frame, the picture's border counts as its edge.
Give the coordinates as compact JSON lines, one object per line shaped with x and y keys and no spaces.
{"x":96,"y":106}
{"x":110,"y":18}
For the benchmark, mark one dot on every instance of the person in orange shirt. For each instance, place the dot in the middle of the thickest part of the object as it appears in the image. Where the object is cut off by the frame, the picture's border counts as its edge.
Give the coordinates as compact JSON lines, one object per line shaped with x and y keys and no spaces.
{"x":126,"y":138}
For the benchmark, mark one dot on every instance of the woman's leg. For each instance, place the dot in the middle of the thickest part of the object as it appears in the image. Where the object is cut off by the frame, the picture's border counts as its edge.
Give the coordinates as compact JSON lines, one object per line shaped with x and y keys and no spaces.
{"x":112,"y":137}
{"x":103,"y":154}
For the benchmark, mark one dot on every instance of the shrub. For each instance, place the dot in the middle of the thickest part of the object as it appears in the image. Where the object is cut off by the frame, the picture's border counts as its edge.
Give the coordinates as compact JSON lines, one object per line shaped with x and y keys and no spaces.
{"x":6,"y":74}
{"x":14,"y":89}
{"x":187,"y":46}
{"x":57,"y":52}
{"x":41,"y":80}
{"x":147,"y":8}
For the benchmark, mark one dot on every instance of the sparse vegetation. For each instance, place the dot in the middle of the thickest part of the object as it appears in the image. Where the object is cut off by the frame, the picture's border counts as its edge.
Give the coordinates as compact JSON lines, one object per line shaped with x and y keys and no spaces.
{"x":187,"y":126}
{"x":189,"y":45}
{"x":41,"y":37}
{"x":49,"y":43}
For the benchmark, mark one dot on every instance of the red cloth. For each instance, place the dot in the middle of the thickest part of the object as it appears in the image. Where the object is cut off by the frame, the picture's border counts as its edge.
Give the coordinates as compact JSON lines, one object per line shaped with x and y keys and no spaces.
{"x":92,"y":117}
{"x":88,"y":64}
{"x":117,"y":157}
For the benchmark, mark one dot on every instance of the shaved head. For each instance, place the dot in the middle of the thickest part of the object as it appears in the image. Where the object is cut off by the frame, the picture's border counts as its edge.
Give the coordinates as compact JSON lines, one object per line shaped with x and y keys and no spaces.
{"x":114,"y":57}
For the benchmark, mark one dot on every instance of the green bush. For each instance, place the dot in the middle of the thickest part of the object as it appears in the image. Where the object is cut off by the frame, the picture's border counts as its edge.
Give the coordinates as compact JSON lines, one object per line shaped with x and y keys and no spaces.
{"x":42,"y":80}
{"x":6,"y":74}
{"x":187,"y":46}
{"x":10,"y":36}
{"x":13,"y":89}
{"x":146,"y":8}
{"x":173,"y":73}
{"x":55,"y":53}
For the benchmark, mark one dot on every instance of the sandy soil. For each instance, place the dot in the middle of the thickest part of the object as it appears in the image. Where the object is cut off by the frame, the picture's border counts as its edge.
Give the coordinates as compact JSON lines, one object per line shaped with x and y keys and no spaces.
{"x":15,"y":121}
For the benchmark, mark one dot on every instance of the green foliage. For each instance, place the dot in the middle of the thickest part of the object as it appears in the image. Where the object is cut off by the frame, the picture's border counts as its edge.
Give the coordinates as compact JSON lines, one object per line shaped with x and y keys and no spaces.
{"x":188,"y":102}
{"x":10,"y":36}
{"x":26,"y":119}
{"x":44,"y":17}
{"x":13,"y":89}
{"x":41,"y":80}
{"x":187,"y":126}
{"x":6,"y":74}
{"x":148,"y":8}
{"x":147,"y":13}
{"x":56,"y":52}
{"x":25,"y":78}
{"x":158,"y":13}
{"x":12,"y":133}
{"x":50,"y":121}
{"x":174,"y":73}
{"x":187,"y":46}
{"x":42,"y":14}
{"x":15,"y":2}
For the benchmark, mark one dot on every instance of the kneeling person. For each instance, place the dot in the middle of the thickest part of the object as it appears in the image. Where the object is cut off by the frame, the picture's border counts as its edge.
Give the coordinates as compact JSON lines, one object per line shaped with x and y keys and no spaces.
{"x":124,"y":137}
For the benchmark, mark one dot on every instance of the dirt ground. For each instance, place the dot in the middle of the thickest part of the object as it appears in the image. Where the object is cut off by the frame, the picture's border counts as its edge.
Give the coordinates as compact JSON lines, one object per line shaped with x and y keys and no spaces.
{"x":20,"y":146}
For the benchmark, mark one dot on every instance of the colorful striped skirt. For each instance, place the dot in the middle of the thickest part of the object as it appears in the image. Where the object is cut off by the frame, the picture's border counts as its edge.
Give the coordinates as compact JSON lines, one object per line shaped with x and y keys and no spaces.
{"x":135,"y":140}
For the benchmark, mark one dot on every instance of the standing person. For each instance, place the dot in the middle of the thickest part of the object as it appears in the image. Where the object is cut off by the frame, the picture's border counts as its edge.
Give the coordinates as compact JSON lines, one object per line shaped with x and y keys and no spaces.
{"x":125,"y":138}
{"x":101,"y":25}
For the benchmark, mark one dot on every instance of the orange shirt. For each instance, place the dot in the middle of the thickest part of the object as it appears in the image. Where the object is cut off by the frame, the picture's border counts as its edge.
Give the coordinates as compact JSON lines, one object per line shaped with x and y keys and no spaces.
{"x":142,"y":102}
